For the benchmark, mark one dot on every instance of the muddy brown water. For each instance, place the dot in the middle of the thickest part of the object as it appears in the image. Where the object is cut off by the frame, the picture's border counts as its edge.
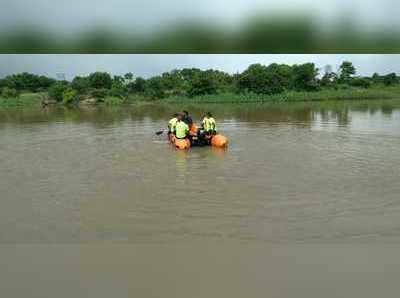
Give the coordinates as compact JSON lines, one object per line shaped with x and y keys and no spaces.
{"x":319,"y":172}
{"x":94,"y":204}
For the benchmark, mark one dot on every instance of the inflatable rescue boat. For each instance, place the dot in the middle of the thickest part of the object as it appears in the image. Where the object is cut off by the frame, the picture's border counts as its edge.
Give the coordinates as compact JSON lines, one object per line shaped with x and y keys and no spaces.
{"x":212,"y":140}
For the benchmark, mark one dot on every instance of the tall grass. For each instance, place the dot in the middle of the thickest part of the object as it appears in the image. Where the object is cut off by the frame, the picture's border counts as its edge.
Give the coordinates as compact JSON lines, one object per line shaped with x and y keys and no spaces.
{"x":24,"y":99}
{"x":290,"y":96}
{"x":113,"y":100}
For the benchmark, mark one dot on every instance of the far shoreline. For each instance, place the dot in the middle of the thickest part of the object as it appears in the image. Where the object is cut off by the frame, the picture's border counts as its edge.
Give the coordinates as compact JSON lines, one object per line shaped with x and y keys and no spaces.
{"x":29,"y":99}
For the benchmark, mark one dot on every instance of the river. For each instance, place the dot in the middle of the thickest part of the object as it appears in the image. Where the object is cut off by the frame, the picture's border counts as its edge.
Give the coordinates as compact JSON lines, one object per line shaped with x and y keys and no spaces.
{"x":295,"y":173}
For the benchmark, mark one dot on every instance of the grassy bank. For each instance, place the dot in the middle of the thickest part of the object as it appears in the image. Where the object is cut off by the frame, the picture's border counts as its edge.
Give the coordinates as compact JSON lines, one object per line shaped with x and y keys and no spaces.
{"x":24,"y":99}
{"x":292,"y":96}
{"x":32,"y":99}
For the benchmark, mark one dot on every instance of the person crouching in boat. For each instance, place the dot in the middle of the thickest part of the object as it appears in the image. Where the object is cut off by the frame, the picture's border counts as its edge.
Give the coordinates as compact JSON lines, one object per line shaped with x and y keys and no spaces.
{"x":172,"y":124}
{"x":181,"y":128}
{"x":193,"y":129}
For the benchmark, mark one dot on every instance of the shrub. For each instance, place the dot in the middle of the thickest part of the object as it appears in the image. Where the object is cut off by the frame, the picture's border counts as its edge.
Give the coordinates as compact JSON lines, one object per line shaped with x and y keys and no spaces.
{"x":361,"y":82}
{"x":342,"y":87}
{"x":69,"y":96}
{"x":99,"y":94}
{"x":390,"y":79}
{"x":56,"y":91}
{"x":118,"y":90}
{"x":9,"y":92}
{"x":113,"y":100}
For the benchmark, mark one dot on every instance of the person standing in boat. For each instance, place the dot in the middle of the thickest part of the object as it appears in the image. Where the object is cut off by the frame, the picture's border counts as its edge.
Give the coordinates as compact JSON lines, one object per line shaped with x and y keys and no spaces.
{"x":193,"y":129}
{"x":181,"y":128}
{"x":187,"y":118}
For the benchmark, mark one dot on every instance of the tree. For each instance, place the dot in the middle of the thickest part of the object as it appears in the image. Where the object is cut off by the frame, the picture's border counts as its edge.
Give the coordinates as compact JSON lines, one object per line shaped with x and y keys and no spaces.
{"x":56,"y":91}
{"x":329,"y":80}
{"x":44,"y":83}
{"x":347,"y":70}
{"x":284,"y":73}
{"x":223,"y":81}
{"x":376,"y":78}
{"x":118,"y":89}
{"x":154,"y":88}
{"x":305,"y":77}
{"x":28,"y":82}
{"x":80,"y":84}
{"x":253,"y":79}
{"x":118,"y":80}
{"x":260,"y":79}
{"x":8,"y":82}
{"x":100,"y":80}
{"x":173,"y":81}
{"x":137,"y":86}
{"x":391,"y":79}
{"x":128,"y":77}
{"x":202,"y":84}
{"x":188,"y":74}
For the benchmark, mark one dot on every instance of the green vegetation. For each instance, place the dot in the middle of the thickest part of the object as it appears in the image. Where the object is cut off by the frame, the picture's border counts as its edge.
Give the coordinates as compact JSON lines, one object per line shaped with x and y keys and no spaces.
{"x":258,"y":83}
{"x":350,"y":93}
{"x":25,"y":99}
{"x":57,"y":90}
{"x":69,"y":96}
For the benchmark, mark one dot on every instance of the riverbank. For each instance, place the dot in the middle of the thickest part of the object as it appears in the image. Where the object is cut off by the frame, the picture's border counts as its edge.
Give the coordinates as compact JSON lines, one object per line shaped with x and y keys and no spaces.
{"x":293,"y":96}
{"x":24,"y":99}
{"x":32,"y":99}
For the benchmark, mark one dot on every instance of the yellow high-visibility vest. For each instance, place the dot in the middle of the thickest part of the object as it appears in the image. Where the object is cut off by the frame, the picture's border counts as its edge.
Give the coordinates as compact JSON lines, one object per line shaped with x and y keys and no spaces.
{"x":209,"y":124}
{"x":172,"y":124}
{"x":181,"y":130}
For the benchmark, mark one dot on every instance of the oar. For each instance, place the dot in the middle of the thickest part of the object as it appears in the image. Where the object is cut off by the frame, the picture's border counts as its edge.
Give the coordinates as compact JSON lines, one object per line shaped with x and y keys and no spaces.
{"x":159,"y":132}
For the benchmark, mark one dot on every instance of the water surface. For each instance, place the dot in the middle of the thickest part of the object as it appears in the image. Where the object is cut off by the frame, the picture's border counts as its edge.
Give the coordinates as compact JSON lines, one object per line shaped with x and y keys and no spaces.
{"x":294,"y":173}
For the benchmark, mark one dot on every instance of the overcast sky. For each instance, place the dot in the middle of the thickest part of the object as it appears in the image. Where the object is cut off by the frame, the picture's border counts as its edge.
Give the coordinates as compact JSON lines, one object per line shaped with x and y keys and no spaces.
{"x":147,"y":65}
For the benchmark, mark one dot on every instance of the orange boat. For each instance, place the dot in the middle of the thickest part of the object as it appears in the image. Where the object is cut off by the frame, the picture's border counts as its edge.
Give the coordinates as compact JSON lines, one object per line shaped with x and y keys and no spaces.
{"x":218,"y":140}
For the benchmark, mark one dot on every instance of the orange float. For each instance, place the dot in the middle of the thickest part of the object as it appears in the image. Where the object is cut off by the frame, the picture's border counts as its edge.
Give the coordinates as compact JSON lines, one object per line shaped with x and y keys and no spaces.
{"x":181,"y":144}
{"x":193,"y":130}
{"x":219,"y":141}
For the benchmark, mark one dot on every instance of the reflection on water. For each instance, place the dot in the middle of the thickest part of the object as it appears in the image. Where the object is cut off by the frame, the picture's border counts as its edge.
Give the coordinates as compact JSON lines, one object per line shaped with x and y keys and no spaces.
{"x":303,"y":113}
{"x":181,"y":166}
{"x":301,"y":172}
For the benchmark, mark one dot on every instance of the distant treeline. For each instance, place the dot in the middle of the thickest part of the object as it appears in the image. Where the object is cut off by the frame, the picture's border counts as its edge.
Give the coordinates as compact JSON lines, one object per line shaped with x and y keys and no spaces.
{"x":257,"y":79}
